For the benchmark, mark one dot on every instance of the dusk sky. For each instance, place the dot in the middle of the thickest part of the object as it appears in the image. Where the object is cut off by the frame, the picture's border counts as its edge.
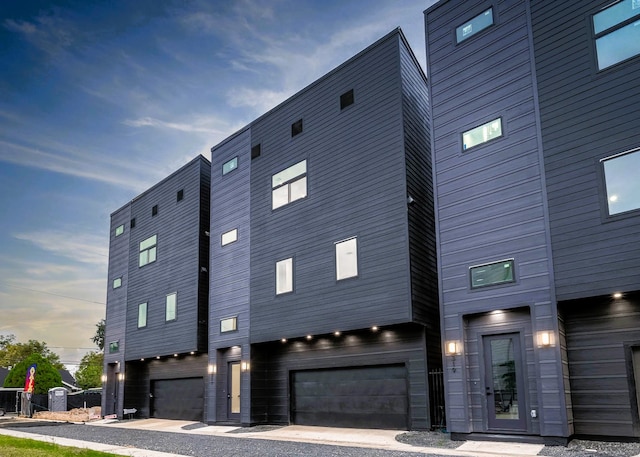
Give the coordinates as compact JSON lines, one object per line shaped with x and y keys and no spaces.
{"x":102,"y":99}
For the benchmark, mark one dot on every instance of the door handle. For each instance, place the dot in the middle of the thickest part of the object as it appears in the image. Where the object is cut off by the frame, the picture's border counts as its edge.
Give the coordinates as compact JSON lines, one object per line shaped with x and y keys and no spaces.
{"x":488,"y":390}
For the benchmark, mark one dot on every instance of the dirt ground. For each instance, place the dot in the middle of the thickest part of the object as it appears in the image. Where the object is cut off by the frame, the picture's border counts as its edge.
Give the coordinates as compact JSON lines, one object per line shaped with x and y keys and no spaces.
{"x":75,"y":415}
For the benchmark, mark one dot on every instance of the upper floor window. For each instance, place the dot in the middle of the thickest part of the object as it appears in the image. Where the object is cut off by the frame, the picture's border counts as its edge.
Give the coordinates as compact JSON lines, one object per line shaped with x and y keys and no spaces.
{"x":284,"y":276}
{"x":347,"y":259}
{"x":296,"y":127}
{"x":154,"y":210}
{"x":492,"y":274}
{"x":475,"y":25}
{"x":117,"y":282}
{"x":142,"y":315}
{"x":289,"y":185}
{"x":171,"y":306}
{"x":229,"y":324}
{"x":621,"y":180}
{"x":114,"y":346}
{"x":481,"y":134}
{"x":346,"y":99}
{"x":255,"y":151}
{"x":229,"y":166}
{"x":180,"y":195}
{"x":132,"y":224}
{"x":229,"y":237}
{"x":148,"y":250}
{"x":119,"y":229}
{"x":617,"y":32}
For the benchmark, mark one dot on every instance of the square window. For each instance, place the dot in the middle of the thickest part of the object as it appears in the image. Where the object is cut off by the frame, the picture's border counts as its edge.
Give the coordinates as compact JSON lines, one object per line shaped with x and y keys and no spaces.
{"x":142,"y":315}
{"x":492,"y":274}
{"x":296,"y":128}
{"x":621,"y":182}
{"x":255,"y":151}
{"x":180,"y":195}
{"x":171,"y":307}
{"x":347,"y":259}
{"x":284,"y":276}
{"x":117,"y":283}
{"x":229,"y":324}
{"x":132,"y":224}
{"x":148,"y":251}
{"x":229,"y":166}
{"x":289,"y":185}
{"x":119,"y":229}
{"x":475,"y":25}
{"x":154,"y":210}
{"x":346,"y":99}
{"x":229,"y":237}
{"x":617,"y":33}
{"x":114,"y":346}
{"x":482,"y":134}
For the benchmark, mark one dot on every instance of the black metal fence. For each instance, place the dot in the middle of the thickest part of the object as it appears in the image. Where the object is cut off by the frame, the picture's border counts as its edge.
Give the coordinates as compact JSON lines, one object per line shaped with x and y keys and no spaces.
{"x":436,"y":396}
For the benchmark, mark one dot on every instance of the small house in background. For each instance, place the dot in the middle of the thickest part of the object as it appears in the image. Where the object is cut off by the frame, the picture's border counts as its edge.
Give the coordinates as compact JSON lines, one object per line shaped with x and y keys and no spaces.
{"x":68,"y":381}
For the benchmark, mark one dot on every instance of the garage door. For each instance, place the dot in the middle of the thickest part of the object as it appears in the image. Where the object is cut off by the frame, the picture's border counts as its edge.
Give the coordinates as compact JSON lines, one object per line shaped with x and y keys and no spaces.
{"x":181,"y":399}
{"x":362,"y":397}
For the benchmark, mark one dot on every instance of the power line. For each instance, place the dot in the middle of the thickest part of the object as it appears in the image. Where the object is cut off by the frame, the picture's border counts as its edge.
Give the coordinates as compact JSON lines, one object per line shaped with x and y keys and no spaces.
{"x":51,"y":293}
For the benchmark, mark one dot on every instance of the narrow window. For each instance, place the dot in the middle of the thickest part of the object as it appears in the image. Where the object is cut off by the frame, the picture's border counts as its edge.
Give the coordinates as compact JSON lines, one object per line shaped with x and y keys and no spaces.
{"x":475,"y":25}
{"x":482,"y":134}
{"x":114,"y":346}
{"x":154,"y":210}
{"x":621,"y":181}
{"x":171,"y":306}
{"x":229,"y":166}
{"x":133,"y":223}
{"x":119,"y":229}
{"x":346,"y":99}
{"x":296,"y":127}
{"x":284,"y":276}
{"x":228,"y":325}
{"x":617,"y":33}
{"x":255,"y":151}
{"x":148,"y":250}
{"x":180,"y":195}
{"x":142,"y":315}
{"x":229,"y":237}
{"x":492,"y":274}
{"x":347,"y":259}
{"x":289,"y":185}
{"x":117,"y":283}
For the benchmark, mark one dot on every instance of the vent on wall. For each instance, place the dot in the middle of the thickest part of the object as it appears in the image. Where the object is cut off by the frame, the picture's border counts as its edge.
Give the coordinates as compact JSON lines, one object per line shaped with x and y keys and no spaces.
{"x":296,"y":127}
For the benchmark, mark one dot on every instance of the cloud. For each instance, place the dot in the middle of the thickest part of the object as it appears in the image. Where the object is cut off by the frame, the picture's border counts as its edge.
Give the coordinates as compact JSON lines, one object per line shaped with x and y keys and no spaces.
{"x":83,"y":247}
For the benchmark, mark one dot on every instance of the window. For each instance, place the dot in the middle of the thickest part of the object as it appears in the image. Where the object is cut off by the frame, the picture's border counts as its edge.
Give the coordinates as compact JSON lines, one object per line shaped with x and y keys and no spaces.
{"x":154,"y":210}
{"x":171,"y":306}
{"x":289,"y":185}
{"x":482,"y":134}
{"x":229,"y":166}
{"x":346,"y":99}
{"x":142,"y":315}
{"x":284,"y":276}
{"x":114,"y":346}
{"x":229,"y":237}
{"x":119,"y":229}
{"x":617,"y":33}
{"x":255,"y":151}
{"x":621,"y":181}
{"x":228,"y":325}
{"x":133,"y":222}
{"x":475,"y":25}
{"x":296,"y":128}
{"x":180,"y":195}
{"x":148,"y":250}
{"x":117,"y":283}
{"x":492,"y":274}
{"x":346,"y":259}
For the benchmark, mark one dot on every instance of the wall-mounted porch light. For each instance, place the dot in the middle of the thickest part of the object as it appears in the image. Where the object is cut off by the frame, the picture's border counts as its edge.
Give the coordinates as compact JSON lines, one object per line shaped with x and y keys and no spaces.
{"x":120,"y":376}
{"x":211,"y":369}
{"x":244,"y":366}
{"x":545,"y":339}
{"x":103,"y":378}
{"x":452,"y":349}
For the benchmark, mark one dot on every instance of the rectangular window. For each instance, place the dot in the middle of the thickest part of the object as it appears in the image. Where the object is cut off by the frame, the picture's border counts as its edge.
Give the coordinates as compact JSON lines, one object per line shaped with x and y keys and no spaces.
{"x":617,"y":33}
{"x":482,"y":134}
{"x":171,"y":307}
{"x":255,"y":151}
{"x":133,"y":222}
{"x":475,"y":25}
{"x":347,"y":259}
{"x":117,"y":283}
{"x":142,"y":315}
{"x":346,"y":99}
{"x":154,"y":210}
{"x":119,"y":229}
{"x":296,"y":127}
{"x":148,"y":250}
{"x":229,"y":166}
{"x":289,"y":185}
{"x":228,"y":325}
{"x":284,"y":276}
{"x":180,"y":195}
{"x":114,"y":346}
{"x":492,"y":274}
{"x":621,"y":180}
{"x":229,"y":237}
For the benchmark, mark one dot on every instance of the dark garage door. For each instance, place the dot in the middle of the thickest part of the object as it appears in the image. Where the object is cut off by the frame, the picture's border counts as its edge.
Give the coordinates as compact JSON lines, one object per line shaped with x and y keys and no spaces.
{"x":181,"y":399}
{"x":362,"y":397}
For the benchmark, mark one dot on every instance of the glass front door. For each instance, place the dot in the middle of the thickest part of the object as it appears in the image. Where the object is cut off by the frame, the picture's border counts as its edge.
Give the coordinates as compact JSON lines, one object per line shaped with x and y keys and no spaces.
{"x":503,"y":382}
{"x":233,"y":395}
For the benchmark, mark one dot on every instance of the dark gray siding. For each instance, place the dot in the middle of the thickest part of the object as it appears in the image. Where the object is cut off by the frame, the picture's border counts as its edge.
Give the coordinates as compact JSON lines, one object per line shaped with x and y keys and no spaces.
{"x":177,"y":269}
{"x":203,"y":260}
{"x":356,"y":187}
{"x":586,"y":115}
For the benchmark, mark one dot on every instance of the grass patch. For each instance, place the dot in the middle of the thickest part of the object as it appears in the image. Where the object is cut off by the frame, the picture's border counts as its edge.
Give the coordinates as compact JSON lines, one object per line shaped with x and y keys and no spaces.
{"x":20,"y":447}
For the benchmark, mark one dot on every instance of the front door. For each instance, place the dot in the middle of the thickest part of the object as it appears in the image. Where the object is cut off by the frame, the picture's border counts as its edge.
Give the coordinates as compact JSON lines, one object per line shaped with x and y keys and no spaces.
{"x":504,"y":382}
{"x":233,"y":395}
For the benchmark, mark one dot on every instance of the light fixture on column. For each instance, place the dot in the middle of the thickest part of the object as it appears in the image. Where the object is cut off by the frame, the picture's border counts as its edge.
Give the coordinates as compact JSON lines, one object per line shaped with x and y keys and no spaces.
{"x":244,"y":366}
{"x":545,"y":338}
{"x":452,"y":349}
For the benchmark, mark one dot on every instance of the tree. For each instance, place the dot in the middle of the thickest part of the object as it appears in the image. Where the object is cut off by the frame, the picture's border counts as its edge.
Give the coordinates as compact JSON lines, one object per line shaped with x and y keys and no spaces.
{"x":98,"y":338}
{"x":12,"y":353}
{"x":90,"y":372}
{"x":47,"y":376}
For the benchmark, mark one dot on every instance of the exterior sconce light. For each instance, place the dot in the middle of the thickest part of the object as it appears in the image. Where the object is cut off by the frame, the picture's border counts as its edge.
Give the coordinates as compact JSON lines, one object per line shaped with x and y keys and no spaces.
{"x":617,"y":295}
{"x":545,"y":339}
{"x":283,"y":340}
{"x":452,"y":349}
{"x":211,"y":369}
{"x":244,"y":366}
{"x":120,"y":376}
{"x":103,"y":378}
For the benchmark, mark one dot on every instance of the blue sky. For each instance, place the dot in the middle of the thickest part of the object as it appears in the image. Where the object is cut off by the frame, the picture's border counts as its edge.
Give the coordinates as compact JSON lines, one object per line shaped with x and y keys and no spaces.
{"x":102,"y":99}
